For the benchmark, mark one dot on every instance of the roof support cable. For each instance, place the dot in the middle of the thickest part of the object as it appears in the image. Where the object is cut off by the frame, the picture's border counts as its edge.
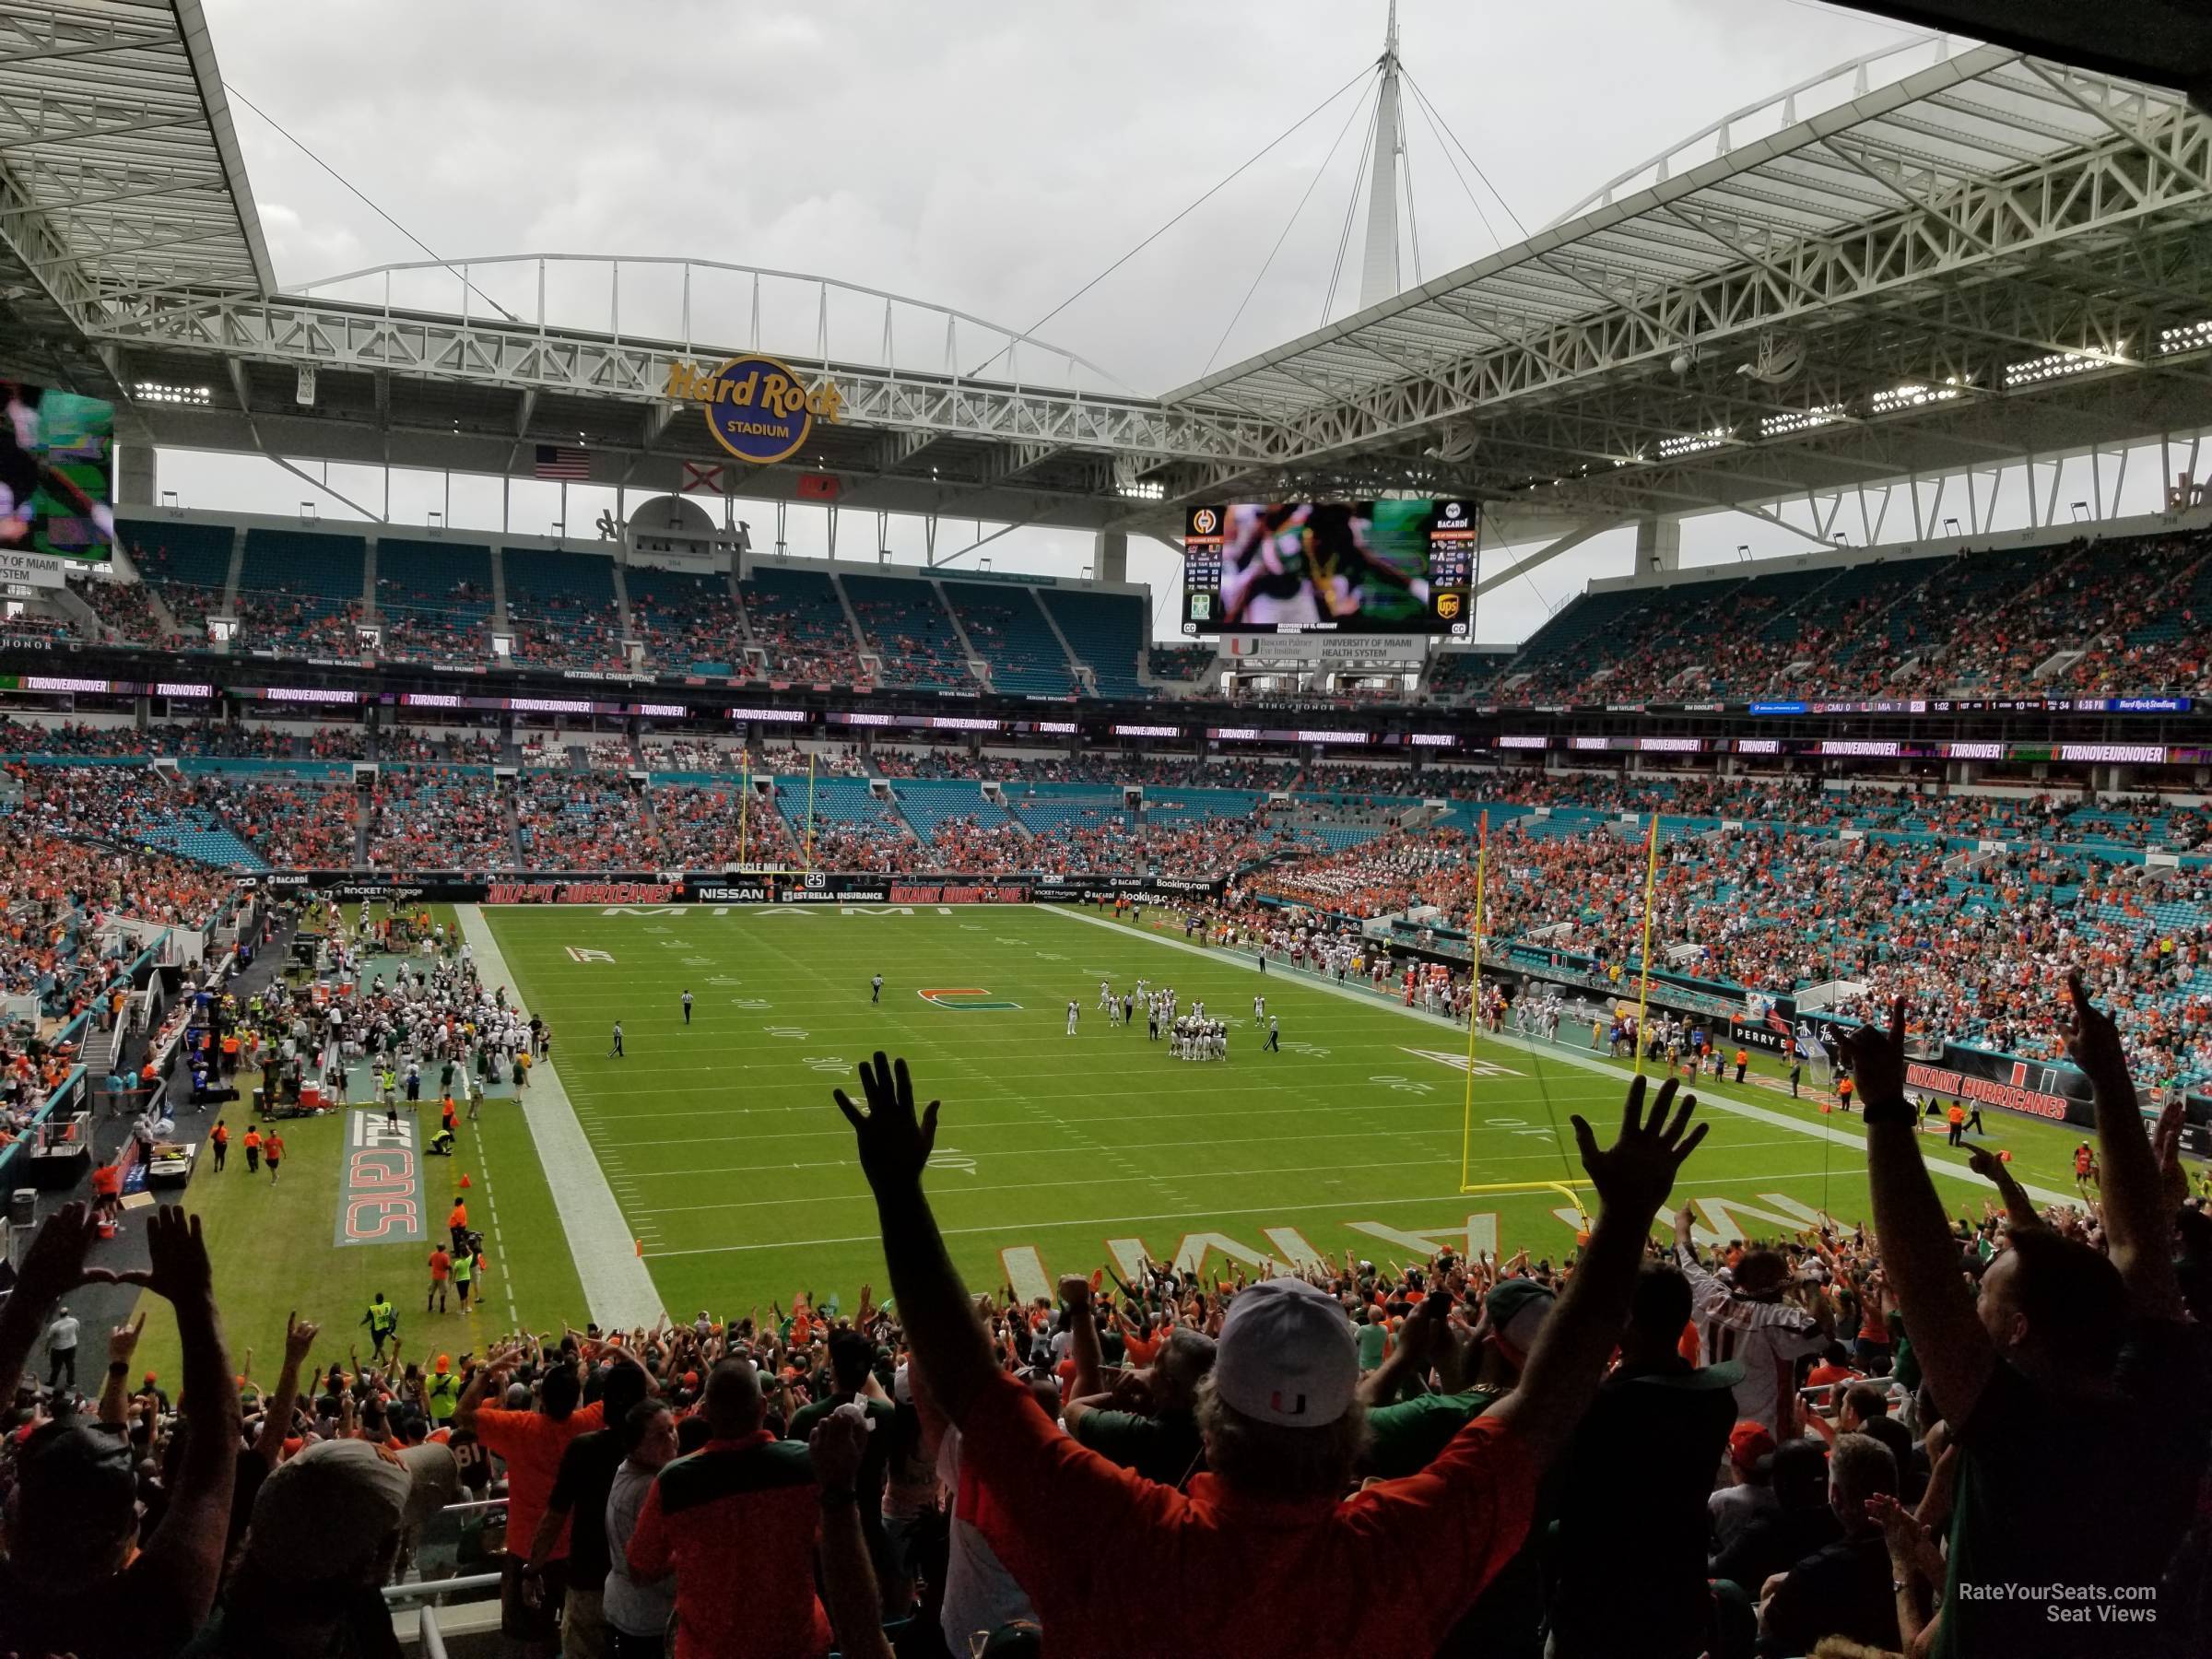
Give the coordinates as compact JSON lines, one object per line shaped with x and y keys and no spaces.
{"x":1364,"y":71}
{"x":1351,"y":209}
{"x":1436,"y":116}
{"x":1312,"y":185}
{"x":364,"y":200}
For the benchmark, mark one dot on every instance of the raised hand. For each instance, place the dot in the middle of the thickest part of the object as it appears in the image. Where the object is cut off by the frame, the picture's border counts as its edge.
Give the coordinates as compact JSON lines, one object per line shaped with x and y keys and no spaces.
{"x":2166,"y":1146}
{"x":1075,"y":1290}
{"x":54,"y":1266}
{"x":1984,"y":1162}
{"x":180,"y":1271}
{"x":2093,"y":1042}
{"x":1634,"y":1174}
{"x":894,"y":1142}
{"x":298,"y":1337}
{"x":123,"y":1341}
{"x":836,"y":1447}
{"x":1876,"y":1058}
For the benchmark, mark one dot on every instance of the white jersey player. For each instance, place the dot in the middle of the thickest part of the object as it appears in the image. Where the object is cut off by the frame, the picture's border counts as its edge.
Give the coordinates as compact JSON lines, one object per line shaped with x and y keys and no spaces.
{"x":1105,"y":994}
{"x":1072,"y":1012}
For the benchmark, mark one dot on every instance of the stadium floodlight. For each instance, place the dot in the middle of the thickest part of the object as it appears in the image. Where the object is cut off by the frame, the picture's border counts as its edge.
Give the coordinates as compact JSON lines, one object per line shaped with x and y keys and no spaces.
{"x":2185,"y":336}
{"x":1916,"y":395}
{"x":163,"y":392}
{"x":2058,"y":365}
{"x":1800,"y":420}
{"x":1692,"y":443}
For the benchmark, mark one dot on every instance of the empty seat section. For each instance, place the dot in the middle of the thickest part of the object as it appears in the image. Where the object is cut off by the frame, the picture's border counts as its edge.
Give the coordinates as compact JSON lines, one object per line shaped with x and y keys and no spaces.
{"x":907,"y":626}
{"x":687,"y":618}
{"x":435,"y":600}
{"x":1104,"y":631}
{"x":800,"y":626}
{"x":300,"y":591}
{"x":562,"y":608}
{"x":1006,"y":629}
{"x":188,"y":566}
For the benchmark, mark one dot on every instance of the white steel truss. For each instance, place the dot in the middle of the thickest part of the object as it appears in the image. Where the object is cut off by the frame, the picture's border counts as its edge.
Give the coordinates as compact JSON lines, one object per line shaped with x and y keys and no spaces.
{"x":1990,"y":256}
{"x":1987,"y":210}
{"x":120,"y":173}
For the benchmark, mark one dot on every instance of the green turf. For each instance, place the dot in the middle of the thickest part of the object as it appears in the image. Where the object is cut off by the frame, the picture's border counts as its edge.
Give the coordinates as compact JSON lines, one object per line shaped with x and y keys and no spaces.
{"x":272,"y":1245}
{"x":272,"y":1241}
{"x":732,"y":1165}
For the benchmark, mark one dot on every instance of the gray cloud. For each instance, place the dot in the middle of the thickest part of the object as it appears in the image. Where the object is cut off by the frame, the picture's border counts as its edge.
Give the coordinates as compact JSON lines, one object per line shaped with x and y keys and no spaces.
{"x":992,"y":158}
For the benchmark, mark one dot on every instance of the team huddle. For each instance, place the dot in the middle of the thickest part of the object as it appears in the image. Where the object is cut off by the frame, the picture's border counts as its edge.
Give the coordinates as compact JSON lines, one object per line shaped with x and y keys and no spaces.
{"x":1191,"y":1036}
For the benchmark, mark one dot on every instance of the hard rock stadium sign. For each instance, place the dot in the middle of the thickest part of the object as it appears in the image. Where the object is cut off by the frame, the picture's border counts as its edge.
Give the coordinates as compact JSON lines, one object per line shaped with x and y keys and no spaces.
{"x":757,"y":408}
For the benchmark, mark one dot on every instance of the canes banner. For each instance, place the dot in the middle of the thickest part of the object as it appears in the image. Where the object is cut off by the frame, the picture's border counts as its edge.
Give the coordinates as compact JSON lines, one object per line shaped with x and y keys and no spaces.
{"x":379,"y":1198}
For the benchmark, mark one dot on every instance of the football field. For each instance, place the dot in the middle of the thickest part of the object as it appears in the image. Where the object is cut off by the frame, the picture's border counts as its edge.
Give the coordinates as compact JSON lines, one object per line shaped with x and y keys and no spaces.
{"x":735,"y":1174}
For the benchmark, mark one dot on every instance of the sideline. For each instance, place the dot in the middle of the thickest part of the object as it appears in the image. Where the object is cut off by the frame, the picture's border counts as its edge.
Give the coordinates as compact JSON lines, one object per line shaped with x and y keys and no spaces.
{"x":617,"y":1290}
{"x":1298,"y":976}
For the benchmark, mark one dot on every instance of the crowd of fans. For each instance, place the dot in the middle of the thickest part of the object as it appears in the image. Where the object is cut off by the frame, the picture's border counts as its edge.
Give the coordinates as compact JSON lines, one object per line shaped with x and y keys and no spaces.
{"x":1879,"y":892}
{"x":191,"y":603}
{"x":452,"y":627}
{"x":560,"y":631}
{"x":298,"y":624}
{"x":2087,"y":617}
{"x":686,"y":622}
{"x":124,"y":607}
{"x":1977,"y":951}
{"x":1916,"y":1435}
{"x":58,"y":884}
{"x":431,"y":820}
{"x":703,"y":829}
{"x":576,"y":821}
{"x":2084,"y":619}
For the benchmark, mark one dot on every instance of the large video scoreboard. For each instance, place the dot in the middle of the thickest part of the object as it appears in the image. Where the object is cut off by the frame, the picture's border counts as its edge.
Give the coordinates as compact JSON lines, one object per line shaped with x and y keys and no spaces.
{"x":1390,"y":567}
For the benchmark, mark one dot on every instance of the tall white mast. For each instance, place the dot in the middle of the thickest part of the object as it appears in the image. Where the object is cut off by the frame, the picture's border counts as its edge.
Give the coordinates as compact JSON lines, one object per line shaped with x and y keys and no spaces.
{"x":1379,"y":278}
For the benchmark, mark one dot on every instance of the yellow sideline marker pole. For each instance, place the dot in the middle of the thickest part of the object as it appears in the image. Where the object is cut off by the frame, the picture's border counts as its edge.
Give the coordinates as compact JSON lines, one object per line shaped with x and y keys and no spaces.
{"x":1466,"y":1125}
{"x":810,"y":812}
{"x":1643,"y":991}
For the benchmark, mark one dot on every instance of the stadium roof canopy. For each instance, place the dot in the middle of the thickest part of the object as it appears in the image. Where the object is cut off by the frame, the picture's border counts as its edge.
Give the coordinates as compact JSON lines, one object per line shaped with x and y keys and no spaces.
{"x":119,"y":175}
{"x":1925,"y":261}
{"x":1992,"y":255}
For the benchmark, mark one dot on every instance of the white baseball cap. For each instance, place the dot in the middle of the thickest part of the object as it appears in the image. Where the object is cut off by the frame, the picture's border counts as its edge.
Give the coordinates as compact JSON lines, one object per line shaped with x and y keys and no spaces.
{"x":1286,"y":1355}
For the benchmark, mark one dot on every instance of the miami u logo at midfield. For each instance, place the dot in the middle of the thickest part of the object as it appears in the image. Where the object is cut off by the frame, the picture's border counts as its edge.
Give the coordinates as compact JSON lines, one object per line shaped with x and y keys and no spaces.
{"x":970,"y":999}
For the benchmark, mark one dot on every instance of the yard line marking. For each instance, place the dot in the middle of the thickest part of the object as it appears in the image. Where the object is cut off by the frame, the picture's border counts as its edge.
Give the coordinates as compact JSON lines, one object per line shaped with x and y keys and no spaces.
{"x":1035,"y":1186}
{"x":840,"y":1132}
{"x":1459,"y":1199}
{"x":617,"y":1290}
{"x":1943,"y":1166}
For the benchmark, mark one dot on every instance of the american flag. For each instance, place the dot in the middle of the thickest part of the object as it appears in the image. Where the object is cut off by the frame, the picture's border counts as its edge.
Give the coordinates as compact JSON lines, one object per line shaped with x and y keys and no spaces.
{"x":555,"y":462}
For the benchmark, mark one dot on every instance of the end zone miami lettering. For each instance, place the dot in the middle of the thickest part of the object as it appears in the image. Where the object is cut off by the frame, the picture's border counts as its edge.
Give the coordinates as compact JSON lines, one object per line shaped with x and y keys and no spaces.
{"x":380,"y":1201}
{"x":583,"y":892}
{"x":1007,"y":893}
{"x":2013,"y":1096}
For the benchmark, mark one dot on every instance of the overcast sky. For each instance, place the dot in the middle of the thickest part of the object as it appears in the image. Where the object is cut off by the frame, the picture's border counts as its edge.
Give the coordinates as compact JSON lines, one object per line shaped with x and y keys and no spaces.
{"x":993,"y":157}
